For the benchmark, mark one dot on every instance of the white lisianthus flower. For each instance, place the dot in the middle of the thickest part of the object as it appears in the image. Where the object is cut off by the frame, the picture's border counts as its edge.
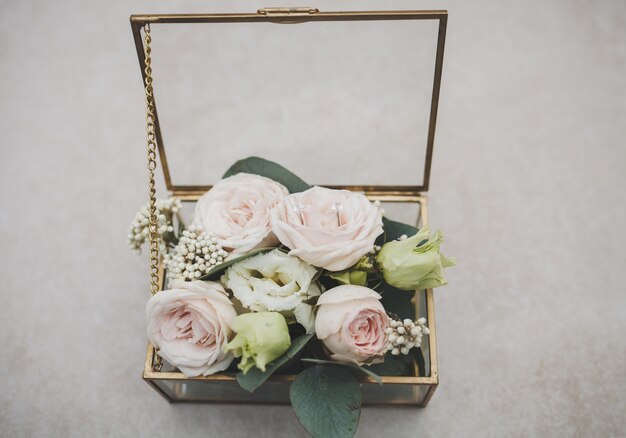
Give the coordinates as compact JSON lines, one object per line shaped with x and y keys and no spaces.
{"x":275,"y":282}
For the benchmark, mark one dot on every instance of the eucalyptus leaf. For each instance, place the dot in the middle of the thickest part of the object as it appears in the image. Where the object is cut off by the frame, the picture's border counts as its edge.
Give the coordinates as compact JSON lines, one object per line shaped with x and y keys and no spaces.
{"x":255,"y":377}
{"x":269,"y":169}
{"x":352,"y":366}
{"x":219,"y":269}
{"x":327,"y":401}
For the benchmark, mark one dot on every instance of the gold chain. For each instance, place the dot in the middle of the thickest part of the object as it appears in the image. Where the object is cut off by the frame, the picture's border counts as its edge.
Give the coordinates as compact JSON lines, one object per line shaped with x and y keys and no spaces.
{"x":151,"y":147}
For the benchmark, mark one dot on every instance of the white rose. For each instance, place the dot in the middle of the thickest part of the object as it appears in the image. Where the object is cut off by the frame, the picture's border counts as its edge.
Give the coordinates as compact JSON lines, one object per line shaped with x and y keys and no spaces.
{"x":237,"y":211}
{"x":275,"y":282}
{"x":190,"y":324}
{"x":331,"y":229}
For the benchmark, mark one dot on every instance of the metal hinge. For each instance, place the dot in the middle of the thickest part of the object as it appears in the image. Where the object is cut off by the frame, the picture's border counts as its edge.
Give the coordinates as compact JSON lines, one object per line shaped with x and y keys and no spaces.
{"x":287,"y":12}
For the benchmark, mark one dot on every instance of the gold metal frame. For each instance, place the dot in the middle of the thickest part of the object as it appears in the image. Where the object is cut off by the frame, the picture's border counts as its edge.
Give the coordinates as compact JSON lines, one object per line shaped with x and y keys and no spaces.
{"x":384,"y":193}
{"x":394,"y":193}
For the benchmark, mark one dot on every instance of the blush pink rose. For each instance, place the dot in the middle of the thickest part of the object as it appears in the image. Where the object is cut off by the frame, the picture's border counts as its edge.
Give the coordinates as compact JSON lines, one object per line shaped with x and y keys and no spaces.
{"x":351,"y":322}
{"x":330,"y":229}
{"x":237,"y":211}
{"x":190,"y":324}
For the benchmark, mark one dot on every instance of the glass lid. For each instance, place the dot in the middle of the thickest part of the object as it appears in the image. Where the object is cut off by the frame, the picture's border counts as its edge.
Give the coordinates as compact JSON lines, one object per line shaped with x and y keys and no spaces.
{"x":342,"y":99}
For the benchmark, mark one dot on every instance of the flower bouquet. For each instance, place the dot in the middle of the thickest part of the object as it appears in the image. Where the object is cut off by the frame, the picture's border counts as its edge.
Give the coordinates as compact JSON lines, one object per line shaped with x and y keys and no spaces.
{"x":273,"y":275}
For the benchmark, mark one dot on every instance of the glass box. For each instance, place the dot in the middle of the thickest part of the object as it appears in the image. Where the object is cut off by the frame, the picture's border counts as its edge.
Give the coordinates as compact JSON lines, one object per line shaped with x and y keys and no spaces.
{"x":354,"y":92}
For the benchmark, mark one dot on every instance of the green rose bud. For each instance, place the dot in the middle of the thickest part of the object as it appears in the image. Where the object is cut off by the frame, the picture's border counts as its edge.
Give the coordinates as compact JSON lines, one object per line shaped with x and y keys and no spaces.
{"x":261,"y":338}
{"x":358,"y":278}
{"x":415,"y":262}
{"x":356,"y":275}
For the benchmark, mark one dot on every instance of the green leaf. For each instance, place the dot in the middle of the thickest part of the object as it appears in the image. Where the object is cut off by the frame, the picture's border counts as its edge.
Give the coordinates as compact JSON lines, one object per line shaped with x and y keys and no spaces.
{"x":393,"y":230}
{"x":269,"y":169}
{"x":298,"y":344}
{"x":217,"y":270}
{"x":397,"y":301}
{"x":352,"y":366}
{"x":392,"y":366}
{"x":255,"y":377}
{"x":327,"y":401}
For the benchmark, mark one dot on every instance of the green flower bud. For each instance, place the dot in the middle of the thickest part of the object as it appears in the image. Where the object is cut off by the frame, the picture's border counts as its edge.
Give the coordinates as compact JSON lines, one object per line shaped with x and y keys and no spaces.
{"x":358,"y":278}
{"x":415,"y":262}
{"x":261,"y":338}
{"x":356,"y":275}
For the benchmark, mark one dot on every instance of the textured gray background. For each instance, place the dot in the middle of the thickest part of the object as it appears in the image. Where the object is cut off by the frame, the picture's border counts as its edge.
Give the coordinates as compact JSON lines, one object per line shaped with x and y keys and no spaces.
{"x":528,"y":183}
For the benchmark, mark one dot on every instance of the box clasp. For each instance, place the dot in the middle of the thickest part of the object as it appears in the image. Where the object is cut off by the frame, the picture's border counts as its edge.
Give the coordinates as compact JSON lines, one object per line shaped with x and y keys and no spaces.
{"x":288,"y":12}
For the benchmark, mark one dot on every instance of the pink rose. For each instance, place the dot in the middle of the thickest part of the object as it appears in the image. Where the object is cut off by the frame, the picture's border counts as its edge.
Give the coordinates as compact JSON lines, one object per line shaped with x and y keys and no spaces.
{"x":331,"y":229}
{"x":351,"y":322}
{"x":237,"y":211}
{"x":190,"y":324}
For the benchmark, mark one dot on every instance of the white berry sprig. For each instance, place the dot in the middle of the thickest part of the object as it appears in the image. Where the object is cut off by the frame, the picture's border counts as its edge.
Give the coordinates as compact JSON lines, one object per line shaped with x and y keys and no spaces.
{"x":404,"y":335}
{"x":138,"y":231}
{"x":196,"y":253}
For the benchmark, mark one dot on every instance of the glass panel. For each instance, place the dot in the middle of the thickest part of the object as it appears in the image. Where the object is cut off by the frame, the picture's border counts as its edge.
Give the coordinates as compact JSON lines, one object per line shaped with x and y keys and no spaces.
{"x":278,"y":392}
{"x":374,"y":394}
{"x":422,"y":312}
{"x":211,"y":391}
{"x":335,"y":102}
{"x":404,"y":212}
